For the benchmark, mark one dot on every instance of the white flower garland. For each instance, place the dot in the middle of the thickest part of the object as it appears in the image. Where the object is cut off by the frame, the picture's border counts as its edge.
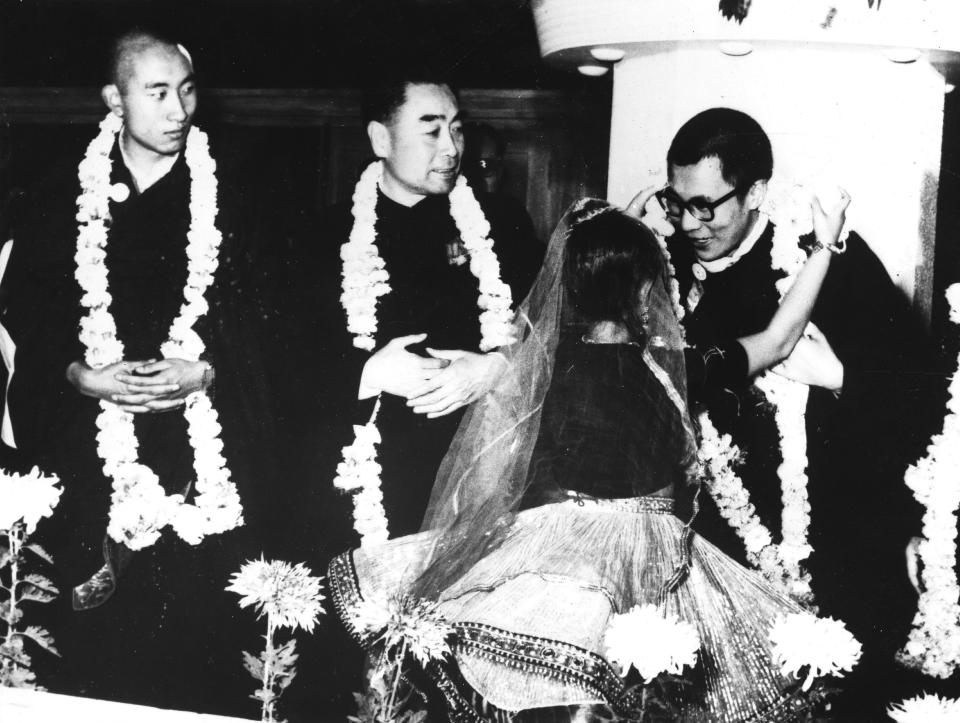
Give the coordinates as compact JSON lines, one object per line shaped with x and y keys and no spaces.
{"x":934,"y":642}
{"x":674,"y":284}
{"x":365,"y":279}
{"x":139,"y":506}
{"x":359,"y":474}
{"x":716,"y":458}
{"x":789,"y":210}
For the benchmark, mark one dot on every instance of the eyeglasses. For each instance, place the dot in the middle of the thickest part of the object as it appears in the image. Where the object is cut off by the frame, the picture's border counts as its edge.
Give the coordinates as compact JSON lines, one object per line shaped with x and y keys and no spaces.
{"x":674,"y":206}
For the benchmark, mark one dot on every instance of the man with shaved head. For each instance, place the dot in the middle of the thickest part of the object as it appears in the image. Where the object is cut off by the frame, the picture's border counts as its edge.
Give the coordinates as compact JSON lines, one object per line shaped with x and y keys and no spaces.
{"x":150,"y":621}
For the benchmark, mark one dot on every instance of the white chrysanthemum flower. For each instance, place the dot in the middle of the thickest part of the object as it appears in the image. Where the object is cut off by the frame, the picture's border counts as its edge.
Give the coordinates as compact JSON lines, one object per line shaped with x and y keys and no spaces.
{"x":926,"y":709}
{"x":823,"y":644}
{"x":651,"y":642}
{"x":287,"y":593}
{"x":27,"y":497}
{"x":369,"y":616}
{"x":417,"y":626}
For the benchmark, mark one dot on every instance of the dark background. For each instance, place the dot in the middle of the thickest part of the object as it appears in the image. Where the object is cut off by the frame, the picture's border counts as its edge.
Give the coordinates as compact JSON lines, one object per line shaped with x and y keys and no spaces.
{"x":281,"y":80}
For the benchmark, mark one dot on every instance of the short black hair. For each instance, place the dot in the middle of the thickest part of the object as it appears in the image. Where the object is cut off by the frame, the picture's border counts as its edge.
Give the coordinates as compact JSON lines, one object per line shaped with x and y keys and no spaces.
{"x":729,"y":135}
{"x":128,"y":46}
{"x":381,"y":101}
{"x":610,"y":258}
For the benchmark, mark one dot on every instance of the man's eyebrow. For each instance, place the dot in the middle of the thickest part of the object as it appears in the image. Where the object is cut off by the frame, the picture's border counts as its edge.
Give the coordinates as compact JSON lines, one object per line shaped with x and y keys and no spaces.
{"x":432,"y":117}
{"x":164,"y":84}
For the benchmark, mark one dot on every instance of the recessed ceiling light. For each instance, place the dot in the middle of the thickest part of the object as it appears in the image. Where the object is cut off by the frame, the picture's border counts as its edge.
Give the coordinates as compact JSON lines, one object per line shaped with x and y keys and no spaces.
{"x":608,"y":54}
{"x":736,"y":47}
{"x":594,"y":71}
{"x":902,"y":55}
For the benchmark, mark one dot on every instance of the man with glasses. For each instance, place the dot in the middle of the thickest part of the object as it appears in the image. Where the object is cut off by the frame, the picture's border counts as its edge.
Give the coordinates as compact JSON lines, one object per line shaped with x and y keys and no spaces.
{"x":864,"y":372}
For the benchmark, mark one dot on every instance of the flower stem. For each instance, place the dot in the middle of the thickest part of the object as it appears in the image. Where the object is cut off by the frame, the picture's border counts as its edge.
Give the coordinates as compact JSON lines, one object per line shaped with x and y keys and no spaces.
{"x":266,"y":712}
{"x":15,"y":538}
{"x":396,"y":680}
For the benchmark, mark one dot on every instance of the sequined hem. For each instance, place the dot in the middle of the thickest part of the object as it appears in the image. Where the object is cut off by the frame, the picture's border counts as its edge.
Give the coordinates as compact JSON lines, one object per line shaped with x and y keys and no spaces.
{"x":553,"y":659}
{"x":345,"y":594}
{"x":647,"y":503}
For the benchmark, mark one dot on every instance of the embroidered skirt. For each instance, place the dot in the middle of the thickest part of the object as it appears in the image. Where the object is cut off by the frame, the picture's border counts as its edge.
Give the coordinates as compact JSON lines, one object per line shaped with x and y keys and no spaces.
{"x":530,"y":617}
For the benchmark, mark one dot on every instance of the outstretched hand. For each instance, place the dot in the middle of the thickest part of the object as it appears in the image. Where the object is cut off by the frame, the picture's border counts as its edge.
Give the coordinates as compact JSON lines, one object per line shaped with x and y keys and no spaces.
{"x":395,"y":370}
{"x":467,"y":378}
{"x":654,"y":219}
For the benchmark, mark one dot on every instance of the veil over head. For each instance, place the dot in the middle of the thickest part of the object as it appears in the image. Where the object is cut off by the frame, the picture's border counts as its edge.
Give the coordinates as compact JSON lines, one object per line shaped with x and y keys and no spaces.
{"x":482,"y":480}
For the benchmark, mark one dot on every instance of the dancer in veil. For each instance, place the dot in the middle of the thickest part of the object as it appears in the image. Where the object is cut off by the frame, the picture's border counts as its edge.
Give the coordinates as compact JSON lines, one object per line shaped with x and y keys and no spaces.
{"x":562,"y":503}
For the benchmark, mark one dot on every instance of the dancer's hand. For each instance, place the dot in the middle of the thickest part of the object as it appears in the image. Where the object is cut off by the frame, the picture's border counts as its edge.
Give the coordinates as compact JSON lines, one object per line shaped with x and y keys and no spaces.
{"x":467,"y":378}
{"x":394,"y":370}
{"x":655,"y":220}
{"x":829,"y":214}
{"x":106,"y":384}
{"x":813,"y":362}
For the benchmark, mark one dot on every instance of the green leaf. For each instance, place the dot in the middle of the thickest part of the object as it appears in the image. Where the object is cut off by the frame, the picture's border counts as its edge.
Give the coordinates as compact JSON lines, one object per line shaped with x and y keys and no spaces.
{"x":41,"y":637}
{"x":36,"y":595}
{"x":253,"y":665}
{"x":13,"y":651}
{"x":286,"y":655}
{"x":39,"y":552}
{"x":18,"y":677}
{"x":5,"y":556}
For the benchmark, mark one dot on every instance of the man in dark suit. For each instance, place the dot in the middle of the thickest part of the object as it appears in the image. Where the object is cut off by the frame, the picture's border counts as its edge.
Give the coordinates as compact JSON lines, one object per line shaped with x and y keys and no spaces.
{"x":867,"y":367}
{"x":426,"y":364}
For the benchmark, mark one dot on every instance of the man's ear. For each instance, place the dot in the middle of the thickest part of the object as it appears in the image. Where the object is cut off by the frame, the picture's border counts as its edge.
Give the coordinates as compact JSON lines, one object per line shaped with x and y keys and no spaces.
{"x":111,"y":96}
{"x":379,"y":136}
{"x":756,"y":194}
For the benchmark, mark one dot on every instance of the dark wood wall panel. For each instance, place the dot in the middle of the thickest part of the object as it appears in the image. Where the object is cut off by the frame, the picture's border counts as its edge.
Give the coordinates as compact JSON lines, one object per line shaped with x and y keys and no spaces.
{"x":310,"y":145}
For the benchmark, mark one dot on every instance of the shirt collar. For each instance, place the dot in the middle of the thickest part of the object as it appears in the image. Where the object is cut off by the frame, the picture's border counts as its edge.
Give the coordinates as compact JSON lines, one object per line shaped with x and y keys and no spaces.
{"x":725,"y":262}
{"x":160,"y":169}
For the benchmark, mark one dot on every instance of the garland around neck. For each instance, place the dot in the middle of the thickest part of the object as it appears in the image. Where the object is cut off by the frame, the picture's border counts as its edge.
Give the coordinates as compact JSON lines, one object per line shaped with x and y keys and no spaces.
{"x":365,"y":279}
{"x":140,"y":508}
{"x":933,"y":645}
{"x":783,"y":562}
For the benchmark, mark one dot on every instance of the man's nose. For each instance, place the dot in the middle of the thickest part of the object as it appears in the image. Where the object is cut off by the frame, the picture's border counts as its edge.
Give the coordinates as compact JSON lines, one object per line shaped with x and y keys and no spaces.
{"x":177,"y":110}
{"x":448,"y":144}
{"x":689,"y":222}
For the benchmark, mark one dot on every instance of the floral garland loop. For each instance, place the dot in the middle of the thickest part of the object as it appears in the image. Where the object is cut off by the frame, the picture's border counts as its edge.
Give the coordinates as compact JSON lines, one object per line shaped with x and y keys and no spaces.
{"x":779,"y":562}
{"x":365,"y":277}
{"x":933,"y":645}
{"x":140,"y":508}
{"x":365,"y":280}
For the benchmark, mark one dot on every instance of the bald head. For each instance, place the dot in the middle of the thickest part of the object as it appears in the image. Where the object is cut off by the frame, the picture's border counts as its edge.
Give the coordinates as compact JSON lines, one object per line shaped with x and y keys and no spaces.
{"x":133,"y":45}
